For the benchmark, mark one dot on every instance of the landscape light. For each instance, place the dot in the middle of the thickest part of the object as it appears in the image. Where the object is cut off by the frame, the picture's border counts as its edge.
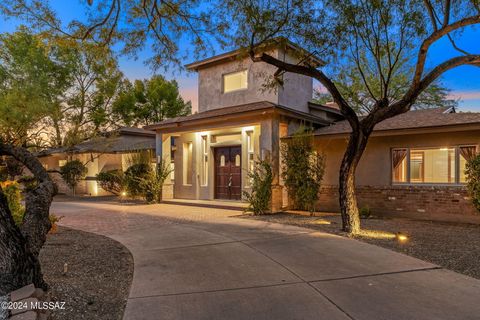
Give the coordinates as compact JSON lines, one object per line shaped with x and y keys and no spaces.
{"x":401,"y":237}
{"x":124,"y":193}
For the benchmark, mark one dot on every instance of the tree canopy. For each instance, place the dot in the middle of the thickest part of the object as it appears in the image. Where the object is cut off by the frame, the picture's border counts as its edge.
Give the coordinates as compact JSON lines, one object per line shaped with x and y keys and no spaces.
{"x":33,"y":76}
{"x":149,"y":101}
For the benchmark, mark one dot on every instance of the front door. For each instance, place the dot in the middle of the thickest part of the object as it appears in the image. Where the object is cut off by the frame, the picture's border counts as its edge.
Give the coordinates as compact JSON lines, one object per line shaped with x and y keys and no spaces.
{"x":228,"y":173}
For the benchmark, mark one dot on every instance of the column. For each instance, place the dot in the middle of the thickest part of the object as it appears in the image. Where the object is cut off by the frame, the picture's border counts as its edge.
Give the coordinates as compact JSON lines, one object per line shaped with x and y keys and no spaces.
{"x":270,"y":149}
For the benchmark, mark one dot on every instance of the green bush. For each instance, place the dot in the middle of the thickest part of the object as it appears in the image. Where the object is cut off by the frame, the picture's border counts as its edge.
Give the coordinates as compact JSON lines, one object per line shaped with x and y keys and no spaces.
{"x":72,"y":172}
{"x":112,"y":181}
{"x":14,"y":199}
{"x":134,"y":175}
{"x":303,"y":170}
{"x":365,"y":212}
{"x":473,"y":180}
{"x":260,"y":195}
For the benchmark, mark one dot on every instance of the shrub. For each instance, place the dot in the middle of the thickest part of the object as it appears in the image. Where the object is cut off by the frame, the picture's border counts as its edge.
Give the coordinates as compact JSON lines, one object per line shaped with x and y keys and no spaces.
{"x":473,"y":180}
{"x":54,"y":219}
{"x":153,"y":182}
{"x":303,"y":170}
{"x":12,"y":192}
{"x":365,"y":212}
{"x":134,"y":175}
{"x":261,"y":178}
{"x":112,"y":181}
{"x":72,"y":172}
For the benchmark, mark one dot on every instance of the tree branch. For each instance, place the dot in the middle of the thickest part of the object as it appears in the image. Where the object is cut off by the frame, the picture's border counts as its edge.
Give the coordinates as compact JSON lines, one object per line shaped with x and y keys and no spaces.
{"x":422,"y":53}
{"x":345,"y":109}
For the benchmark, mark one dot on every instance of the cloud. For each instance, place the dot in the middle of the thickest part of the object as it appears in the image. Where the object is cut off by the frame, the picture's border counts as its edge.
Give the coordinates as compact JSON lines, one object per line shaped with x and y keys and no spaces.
{"x":465,"y":95}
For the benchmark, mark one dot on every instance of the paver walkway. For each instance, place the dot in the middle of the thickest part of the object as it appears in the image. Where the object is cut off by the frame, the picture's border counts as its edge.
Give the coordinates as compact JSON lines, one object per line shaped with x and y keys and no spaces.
{"x":200,"y":263}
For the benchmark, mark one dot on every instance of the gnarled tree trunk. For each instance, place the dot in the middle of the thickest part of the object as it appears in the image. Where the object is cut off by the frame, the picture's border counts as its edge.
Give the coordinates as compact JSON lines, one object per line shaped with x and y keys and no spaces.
{"x":19,"y":247}
{"x":348,"y":199}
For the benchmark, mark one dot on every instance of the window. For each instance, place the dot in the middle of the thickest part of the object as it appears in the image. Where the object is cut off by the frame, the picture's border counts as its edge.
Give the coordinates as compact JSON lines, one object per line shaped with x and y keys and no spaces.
{"x":399,"y":164}
{"x":227,"y":138}
{"x":204,"y":177}
{"x":250,"y":154}
{"x":466,"y":153}
{"x":61,"y":163}
{"x":235,"y":81}
{"x":430,"y":165}
{"x":187,"y":163}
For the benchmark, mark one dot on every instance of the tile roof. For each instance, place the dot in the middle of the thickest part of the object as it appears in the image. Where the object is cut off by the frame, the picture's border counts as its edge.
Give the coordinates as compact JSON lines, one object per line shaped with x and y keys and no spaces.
{"x":415,"y":119}
{"x":126,"y":139}
{"x":256,"y":106}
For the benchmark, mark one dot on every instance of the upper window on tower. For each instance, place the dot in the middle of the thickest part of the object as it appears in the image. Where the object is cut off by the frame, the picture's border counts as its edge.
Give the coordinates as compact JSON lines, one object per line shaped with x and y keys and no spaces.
{"x":235,"y":81}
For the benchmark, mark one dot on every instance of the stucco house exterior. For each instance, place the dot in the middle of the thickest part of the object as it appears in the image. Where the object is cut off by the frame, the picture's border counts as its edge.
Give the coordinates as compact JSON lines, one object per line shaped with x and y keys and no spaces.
{"x":99,"y":154}
{"x":413,"y":164}
{"x":237,"y":122}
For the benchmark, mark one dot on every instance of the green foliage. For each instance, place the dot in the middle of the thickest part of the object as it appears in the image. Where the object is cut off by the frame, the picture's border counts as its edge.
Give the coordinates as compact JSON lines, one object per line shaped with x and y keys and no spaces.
{"x":112,"y":181}
{"x":473,"y":180}
{"x":134,"y":174}
{"x":365,"y":212}
{"x":139,"y":169}
{"x":149,"y":101}
{"x":144,"y":181}
{"x":14,"y":199}
{"x":260,"y":194}
{"x":153,"y":182}
{"x":87,"y":102}
{"x":72,"y":172}
{"x":32,"y":77}
{"x":303,"y":170}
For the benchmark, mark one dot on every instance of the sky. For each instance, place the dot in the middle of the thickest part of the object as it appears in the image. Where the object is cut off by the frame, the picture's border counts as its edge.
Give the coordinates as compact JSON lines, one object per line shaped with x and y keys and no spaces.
{"x":464,"y":81}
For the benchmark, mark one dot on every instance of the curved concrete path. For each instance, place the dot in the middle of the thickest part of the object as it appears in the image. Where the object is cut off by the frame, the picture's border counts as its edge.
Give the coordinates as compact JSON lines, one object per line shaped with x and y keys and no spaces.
{"x":201,"y":263}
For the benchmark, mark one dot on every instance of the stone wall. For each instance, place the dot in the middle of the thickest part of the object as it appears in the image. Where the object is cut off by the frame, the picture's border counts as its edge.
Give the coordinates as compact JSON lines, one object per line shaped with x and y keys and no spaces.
{"x":411,"y":201}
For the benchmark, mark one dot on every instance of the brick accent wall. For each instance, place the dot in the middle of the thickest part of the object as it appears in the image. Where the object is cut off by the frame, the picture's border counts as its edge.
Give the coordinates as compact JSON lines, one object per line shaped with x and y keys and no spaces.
{"x":405,"y":200}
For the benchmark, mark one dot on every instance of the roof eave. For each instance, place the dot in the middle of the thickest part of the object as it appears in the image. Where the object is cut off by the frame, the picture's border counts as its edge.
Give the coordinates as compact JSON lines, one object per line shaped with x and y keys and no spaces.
{"x":405,"y":131}
{"x":194,"y":66}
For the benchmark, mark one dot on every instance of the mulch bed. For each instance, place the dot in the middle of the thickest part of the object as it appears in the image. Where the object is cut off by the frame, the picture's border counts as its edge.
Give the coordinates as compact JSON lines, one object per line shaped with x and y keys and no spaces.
{"x":98,"y":278}
{"x":454,"y":246}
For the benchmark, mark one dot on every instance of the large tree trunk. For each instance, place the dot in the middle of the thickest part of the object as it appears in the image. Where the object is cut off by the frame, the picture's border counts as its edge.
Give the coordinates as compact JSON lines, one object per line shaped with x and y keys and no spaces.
{"x":19,"y":247}
{"x":348,"y":199}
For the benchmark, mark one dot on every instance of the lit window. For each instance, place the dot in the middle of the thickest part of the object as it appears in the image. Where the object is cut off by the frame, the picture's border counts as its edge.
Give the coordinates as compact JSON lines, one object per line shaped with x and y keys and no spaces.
{"x":228,"y":138}
{"x":399,"y":164}
{"x":250,"y":154}
{"x":61,"y":163}
{"x":237,"y":160}
{"x":187,"y":163}
{"x":235,"y":81}
{"x":204,"y":177}
{"x":465,"y":153}
{"x":430,"y":165}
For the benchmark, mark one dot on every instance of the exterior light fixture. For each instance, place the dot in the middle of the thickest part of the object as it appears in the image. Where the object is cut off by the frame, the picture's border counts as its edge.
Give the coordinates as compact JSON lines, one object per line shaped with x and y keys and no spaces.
{"x":401,"y":237}
{"x":124,"y":193}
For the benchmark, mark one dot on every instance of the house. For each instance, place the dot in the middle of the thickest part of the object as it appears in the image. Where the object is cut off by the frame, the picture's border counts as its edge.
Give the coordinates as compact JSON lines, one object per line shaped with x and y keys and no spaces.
{"x":99,"y":154}
{"x":413,"y":164}
{"x":237,"y":123}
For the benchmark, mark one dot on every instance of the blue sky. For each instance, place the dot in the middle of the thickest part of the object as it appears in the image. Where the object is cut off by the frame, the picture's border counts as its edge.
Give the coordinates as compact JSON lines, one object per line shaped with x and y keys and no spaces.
{"x":463,"y":81}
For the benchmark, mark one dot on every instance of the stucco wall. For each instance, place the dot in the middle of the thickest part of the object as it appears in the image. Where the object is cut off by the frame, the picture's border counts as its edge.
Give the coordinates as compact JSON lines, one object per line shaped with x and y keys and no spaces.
{"x":296,"y":92}
{"x":207,"y":192}
{"x":374,"y":184}
{"x":89,"y":186}
{"x":374,"y":168}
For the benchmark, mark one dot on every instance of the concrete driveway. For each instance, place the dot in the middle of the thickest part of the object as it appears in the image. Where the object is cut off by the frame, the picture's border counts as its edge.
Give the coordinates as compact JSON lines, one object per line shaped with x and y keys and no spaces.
{"x":201,"y":263}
